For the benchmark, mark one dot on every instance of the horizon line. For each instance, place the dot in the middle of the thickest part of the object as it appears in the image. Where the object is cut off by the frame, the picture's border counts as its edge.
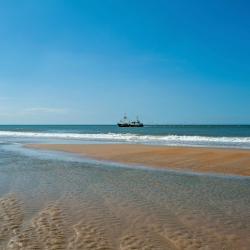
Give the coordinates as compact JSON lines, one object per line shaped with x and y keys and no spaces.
{"x":114,"y":124}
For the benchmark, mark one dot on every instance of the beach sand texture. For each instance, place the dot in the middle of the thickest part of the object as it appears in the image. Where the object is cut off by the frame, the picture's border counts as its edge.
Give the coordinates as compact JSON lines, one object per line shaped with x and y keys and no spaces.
{"x":214,"y":160}
{"x":112,"y":222}
{"x":55,"y":204}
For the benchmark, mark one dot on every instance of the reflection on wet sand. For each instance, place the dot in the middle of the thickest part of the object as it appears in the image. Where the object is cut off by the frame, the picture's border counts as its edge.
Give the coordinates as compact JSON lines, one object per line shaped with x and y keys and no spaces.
{"x":53,"y":204}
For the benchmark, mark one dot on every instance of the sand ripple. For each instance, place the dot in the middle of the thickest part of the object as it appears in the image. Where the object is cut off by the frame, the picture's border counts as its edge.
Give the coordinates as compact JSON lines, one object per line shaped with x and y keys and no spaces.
{"x":88,"y":236}
{"x":11,"y":216}
{"x":47,"y":231}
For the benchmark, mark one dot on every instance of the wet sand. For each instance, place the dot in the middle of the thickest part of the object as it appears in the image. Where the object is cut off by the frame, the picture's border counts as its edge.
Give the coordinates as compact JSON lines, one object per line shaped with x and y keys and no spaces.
{"x":223,"y":161}
{"x":50,"y":204}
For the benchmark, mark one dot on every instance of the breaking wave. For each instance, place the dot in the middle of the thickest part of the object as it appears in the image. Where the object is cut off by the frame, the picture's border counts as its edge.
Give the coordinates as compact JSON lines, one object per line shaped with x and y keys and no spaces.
{"x":242,"y":142}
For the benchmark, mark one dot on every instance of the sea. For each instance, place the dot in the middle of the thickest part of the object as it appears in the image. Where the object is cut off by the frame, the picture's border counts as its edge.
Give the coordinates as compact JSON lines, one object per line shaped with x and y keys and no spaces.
{"x":228,"y":136}
{"x":52,"y":200}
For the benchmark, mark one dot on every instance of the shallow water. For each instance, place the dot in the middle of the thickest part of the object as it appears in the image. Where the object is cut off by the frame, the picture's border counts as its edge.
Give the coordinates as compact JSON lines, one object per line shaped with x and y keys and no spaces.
{"x":66,"y":203}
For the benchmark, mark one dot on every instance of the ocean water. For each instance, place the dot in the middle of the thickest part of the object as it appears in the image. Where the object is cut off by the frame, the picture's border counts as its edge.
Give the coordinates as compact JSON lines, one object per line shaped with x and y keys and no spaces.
{"x":51,"y":200}
{"x":172,"y":135}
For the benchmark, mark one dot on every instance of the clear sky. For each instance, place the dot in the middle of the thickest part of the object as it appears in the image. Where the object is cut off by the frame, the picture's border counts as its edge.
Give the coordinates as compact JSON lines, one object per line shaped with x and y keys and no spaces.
{"x":90,"y":61}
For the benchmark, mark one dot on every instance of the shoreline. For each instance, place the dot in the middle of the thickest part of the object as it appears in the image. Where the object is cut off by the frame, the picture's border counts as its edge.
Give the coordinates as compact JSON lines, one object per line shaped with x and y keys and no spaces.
{"x":203,"y":160}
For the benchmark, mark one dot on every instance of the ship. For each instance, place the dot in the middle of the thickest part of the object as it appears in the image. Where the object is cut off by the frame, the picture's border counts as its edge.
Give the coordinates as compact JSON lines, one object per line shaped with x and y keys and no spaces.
{"x":125,"y":122}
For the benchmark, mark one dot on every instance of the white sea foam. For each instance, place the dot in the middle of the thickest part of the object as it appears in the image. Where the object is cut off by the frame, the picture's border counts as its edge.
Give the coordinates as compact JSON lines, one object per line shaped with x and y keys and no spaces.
{"x":136,"y":138}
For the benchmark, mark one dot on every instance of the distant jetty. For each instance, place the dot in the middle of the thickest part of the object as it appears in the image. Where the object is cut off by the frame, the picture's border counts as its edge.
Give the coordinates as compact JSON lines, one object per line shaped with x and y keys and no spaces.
{"x":125,"y":122}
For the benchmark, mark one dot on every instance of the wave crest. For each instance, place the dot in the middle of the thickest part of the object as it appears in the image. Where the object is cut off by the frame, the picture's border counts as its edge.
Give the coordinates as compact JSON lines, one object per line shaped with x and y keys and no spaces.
{"x":135,"y":138}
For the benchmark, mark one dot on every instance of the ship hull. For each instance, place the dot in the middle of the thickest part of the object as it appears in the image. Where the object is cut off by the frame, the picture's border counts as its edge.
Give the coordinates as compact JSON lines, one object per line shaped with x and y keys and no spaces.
{"x":125,"y":125}
{"x":130,"y":125}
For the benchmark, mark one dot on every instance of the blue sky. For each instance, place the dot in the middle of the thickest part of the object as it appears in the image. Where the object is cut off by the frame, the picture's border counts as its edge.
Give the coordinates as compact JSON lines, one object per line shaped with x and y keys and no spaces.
{"x":66,"y":62}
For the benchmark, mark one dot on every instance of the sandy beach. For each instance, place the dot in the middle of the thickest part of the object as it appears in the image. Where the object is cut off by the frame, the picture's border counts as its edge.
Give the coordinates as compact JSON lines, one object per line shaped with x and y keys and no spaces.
{"x":212,"y":160}
{"x":55,"y":203}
